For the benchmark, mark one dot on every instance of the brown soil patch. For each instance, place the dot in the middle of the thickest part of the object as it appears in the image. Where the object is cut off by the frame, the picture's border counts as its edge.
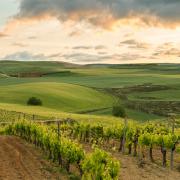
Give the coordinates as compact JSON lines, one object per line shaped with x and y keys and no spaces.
{"x":21,"y":161}
{"x":131,"y":168}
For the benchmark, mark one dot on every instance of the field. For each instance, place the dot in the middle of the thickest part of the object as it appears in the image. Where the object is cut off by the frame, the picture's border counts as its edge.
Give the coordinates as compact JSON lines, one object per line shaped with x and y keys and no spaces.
{"x":22,"y":160}
{"x":82,"y":98}
{"x":59,"y":96}
{"x":93,"y":89}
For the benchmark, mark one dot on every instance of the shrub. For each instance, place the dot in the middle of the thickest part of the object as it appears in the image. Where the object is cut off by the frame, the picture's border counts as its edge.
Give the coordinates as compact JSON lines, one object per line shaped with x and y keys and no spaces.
{"x":119,"y":111}
{"x":34,"y":101}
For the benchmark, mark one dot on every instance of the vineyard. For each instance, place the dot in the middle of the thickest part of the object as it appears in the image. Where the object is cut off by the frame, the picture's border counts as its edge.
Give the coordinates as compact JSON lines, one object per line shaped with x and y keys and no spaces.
{"x":11,"y":116}
{"x":97,"y":165}
{"x":133,"y":139}
{"x":63,"y":142}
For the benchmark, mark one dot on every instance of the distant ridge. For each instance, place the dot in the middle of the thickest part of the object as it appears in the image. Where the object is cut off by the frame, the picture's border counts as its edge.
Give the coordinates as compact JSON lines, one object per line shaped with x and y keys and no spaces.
{"x":10,"y":67}
{"x":38,"y":68}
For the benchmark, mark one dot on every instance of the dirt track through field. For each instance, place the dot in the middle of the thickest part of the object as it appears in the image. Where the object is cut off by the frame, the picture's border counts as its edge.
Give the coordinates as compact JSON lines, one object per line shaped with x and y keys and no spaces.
{"x":18,"y":160}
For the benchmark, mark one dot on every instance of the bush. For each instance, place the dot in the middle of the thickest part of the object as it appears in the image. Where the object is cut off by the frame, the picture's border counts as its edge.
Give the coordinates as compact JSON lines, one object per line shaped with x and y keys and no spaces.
{"x":119,"y":111}
{"x":34,"y":101}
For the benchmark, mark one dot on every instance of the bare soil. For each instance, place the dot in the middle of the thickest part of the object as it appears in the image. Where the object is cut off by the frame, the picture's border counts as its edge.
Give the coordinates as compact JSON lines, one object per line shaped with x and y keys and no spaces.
{"x":21,"y":161}
{"x":133,"y":169}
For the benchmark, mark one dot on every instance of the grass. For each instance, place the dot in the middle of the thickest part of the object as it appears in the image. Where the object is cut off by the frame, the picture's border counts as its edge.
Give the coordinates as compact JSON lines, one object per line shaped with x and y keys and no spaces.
{"x":166,"y":95}
{"x":60,"y":96}
{"x":142,"y":116}
{"x":56,"y":114}
{"x":13,"y":67}
{"x":74,"y":91}
{"x":132,"y":114}
{"x":108,"y":79}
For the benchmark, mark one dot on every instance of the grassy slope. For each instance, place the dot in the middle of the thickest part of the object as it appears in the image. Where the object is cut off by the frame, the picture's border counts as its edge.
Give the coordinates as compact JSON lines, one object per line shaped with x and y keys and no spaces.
{"x":96,"y":76}
{"x":132,"y":114}
{"x":105,"y":77}
{"x":49,"y":113}
{"x":60,"y":96}
{"x":170,"y":95}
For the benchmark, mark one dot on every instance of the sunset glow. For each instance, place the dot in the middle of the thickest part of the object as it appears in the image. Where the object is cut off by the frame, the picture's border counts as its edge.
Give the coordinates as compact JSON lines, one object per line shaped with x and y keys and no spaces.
{"x":96,"y":31}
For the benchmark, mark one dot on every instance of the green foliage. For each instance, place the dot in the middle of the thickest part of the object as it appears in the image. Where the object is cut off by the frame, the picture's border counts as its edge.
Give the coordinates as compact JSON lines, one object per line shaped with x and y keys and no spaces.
{"x":65,"y":150}
{"x":147,"y":136}
{"x":119,"y":111}
{"x":2,"y":130}
{"x":99,"y":165}
{"x":33,"y":101}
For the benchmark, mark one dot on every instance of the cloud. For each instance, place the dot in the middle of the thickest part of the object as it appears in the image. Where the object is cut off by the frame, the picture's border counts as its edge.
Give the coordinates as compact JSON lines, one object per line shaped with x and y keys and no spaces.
{"x":19,"y":44}
{"x":57,"y":55}
{"x":2,"y":35}
{"x":83,"y":47}
{"x":128,"y":57}
{"x":69,"y":57}
{"x":102,"y":53}
{"x":135,"y":44}
{"x":129,"y":42}
{"x":32,"y":37}
{"x":103,"y":12}
{"x":75,"y":33}
{"x":167,"y":49}
{"x":100,"y":47}
{"x":168,"y":52}
{"x":24,"y":55}
{"x":85,"y":58}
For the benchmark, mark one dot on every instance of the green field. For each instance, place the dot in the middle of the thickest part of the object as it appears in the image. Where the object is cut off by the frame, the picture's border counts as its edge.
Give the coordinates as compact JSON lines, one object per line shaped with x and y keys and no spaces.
{"x":91,"y":89}
{"x":166,"y":95}
{"x":59,"y":96}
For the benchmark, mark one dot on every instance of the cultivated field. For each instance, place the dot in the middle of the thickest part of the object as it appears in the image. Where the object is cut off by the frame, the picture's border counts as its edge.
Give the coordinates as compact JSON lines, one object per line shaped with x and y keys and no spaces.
{"x":82,"y":98}
{"x":89,"y":89}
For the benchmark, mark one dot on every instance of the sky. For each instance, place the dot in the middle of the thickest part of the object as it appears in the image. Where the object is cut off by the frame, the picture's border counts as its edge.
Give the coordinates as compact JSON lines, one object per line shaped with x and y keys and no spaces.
{"x":90,"y":31}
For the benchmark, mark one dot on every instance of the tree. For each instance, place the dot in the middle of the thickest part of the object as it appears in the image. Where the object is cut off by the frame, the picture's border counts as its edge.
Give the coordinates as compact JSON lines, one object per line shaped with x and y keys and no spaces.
{"x":119,"y":111}
{"x":34,"y":101}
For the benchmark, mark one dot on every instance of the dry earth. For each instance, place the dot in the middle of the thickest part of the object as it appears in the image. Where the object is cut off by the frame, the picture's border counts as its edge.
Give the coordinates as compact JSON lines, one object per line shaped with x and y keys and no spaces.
{"x":131,"y":169}
{"x":21,"y":161}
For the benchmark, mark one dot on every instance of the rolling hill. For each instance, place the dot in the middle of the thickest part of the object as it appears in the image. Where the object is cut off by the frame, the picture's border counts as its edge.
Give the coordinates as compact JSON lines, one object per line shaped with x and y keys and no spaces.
{"x":16,"y":67}
{"x":59,"y":96}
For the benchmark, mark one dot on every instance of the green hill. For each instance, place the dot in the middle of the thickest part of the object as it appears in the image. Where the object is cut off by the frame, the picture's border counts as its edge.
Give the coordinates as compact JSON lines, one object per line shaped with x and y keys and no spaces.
{"x":59,"y":96}
{"x":16,"y":67}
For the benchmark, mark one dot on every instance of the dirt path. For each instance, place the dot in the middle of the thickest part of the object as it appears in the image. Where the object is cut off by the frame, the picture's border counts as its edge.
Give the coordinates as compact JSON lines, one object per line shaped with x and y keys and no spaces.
{"x":19,"y":160}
